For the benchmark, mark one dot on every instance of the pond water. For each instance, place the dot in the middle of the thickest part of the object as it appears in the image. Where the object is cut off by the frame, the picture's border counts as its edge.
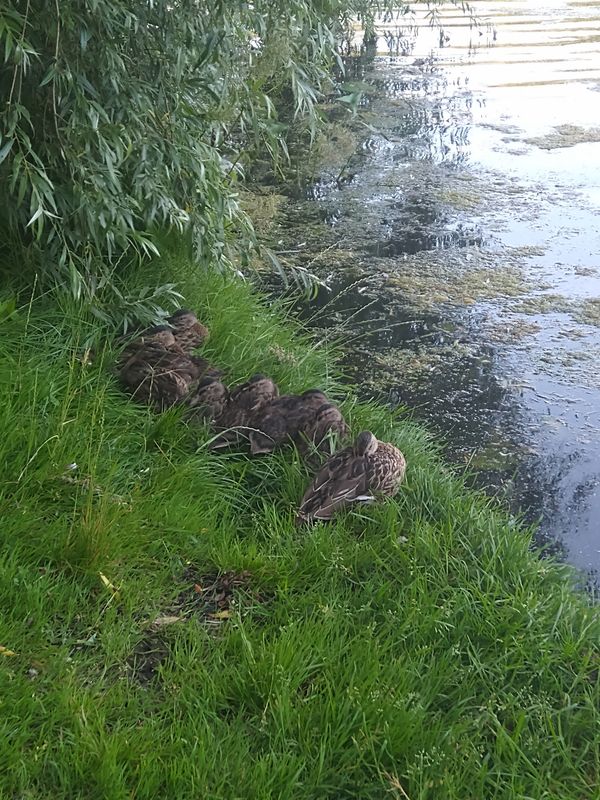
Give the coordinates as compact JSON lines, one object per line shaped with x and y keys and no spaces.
{"x":458,"y":238}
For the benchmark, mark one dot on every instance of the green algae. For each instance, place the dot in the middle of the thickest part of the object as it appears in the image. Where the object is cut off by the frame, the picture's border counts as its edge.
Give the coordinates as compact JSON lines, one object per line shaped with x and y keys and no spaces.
{"x":498,"y":455}
{"x":435,"y":286}
{"x":460,"y":199}
{"x":512,"y":330}
{"x":545,"y":304}
{"x":415,"y":366}
{"x":574,"y":367}
{"x":575,"y":334}
{"x":333,"y":147}
{"x":262,"y":205}
{"x":589,"y":311}
{"x":565,"y":136}
{"x":586,"y":311}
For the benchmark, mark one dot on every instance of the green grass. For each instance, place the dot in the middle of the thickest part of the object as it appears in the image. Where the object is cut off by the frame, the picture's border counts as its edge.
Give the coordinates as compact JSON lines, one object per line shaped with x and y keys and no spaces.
{"x":417,"y":649}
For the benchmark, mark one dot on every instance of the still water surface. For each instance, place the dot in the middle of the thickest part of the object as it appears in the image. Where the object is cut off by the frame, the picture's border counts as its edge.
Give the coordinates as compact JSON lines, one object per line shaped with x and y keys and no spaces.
{"x":460,"y":246}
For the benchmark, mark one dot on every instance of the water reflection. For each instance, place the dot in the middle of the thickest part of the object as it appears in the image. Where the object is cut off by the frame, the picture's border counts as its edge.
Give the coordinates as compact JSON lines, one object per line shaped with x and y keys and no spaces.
{"x":460,"y":246}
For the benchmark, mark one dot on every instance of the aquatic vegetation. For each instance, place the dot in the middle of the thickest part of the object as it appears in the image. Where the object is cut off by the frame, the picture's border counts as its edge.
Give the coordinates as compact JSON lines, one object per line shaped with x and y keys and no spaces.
{"x":262,"y":205}
{"x":510,"y":328}
{"x":428,"y":282}
{"x":413,"y":366}
{"x":460,"y":199}
{"x":498,"y":455}
{"x":589,"y":311}
{"x":333,"y":148}
{"x":585,"y":311}
{"x":549,"y":303}
{"x":565,"y":136}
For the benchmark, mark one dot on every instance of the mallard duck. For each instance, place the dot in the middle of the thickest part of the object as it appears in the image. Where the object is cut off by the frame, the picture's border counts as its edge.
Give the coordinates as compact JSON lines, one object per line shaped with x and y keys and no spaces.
{"x":314,"y":438}
{"x":357,"y":473}
{"x":208,"y":399}
{"x":246,"y":403}
{"x":159,"y":337}
{"x":157,"y":372}
{"x":305,"y":419}
{"x":188,"y":331}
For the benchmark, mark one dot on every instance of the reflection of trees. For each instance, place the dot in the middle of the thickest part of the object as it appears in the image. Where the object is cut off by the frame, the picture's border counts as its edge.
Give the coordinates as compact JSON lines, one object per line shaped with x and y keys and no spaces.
{"x":419,"y":236}
{"x":462,"y":394}
{"x":437,"y":127}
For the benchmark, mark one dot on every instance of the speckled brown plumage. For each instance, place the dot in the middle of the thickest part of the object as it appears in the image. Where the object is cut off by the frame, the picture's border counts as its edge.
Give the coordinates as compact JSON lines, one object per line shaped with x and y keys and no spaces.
{"x":207,"y":400}
{"x":357,"y":473}
{"x":188,"y":331}
{"x":245,"y":405}
{"x":159,"y":337}
{"x":155,"y":370}
{"x":306,"y":420}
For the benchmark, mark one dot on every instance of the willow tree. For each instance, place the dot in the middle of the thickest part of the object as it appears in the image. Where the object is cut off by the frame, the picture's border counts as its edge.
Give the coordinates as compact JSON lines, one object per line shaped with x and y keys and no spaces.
{"x":121,"y":118}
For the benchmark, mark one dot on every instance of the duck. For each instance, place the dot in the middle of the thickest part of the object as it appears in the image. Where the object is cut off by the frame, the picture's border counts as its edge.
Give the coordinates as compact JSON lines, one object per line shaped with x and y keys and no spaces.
{"x":207,"y":400}
{"x":158,"y":337}
{"x":315,"y":437}
{"x":305,"y":420}
{"x":246,"y":402}
{"x":188,"y":331}
{"x":366,"y":469}
{"x":156,"y":371}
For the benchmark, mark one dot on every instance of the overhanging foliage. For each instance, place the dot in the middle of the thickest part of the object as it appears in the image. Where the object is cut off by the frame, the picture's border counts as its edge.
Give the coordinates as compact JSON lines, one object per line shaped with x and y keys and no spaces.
{"x":122,"y":118}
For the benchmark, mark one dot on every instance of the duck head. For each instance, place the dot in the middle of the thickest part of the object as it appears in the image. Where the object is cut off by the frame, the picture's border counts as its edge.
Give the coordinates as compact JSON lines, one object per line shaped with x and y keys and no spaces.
{"x":365,"y":444}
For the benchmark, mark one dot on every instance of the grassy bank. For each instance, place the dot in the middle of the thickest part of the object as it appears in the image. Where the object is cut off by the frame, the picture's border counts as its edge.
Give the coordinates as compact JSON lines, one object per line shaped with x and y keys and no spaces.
{"x":174,"y":635}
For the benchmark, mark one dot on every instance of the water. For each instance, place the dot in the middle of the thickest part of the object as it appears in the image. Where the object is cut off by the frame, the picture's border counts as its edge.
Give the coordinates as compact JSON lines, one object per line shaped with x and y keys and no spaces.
{"x":459,"y":242}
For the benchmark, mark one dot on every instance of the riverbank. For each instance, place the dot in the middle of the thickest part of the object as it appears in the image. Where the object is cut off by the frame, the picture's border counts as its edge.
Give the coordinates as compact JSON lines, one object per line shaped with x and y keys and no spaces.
{"x":170,"y":633}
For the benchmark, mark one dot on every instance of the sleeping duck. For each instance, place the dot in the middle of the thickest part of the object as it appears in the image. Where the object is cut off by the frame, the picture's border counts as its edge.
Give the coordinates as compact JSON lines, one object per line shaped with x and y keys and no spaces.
{"x":188,"y":331}
{"x":306,"y":420}
{"x":245,"y":405}
{"x":158,"y":337}
{"x":357,"y":473}
{"x":156,"y":371}
{"x":207,"y":399}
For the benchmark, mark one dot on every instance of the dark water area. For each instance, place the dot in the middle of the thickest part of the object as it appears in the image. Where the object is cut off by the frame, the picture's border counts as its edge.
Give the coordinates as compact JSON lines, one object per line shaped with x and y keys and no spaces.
{"x":458,"y":244}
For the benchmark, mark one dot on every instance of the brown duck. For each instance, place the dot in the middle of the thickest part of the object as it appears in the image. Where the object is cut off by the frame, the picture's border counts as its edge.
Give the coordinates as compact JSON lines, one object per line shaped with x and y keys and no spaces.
{"x":188,"y":331}
{"x":207,"y":400}
{"x":306,"y":420}
{"x":243,"y":409}
{"x":158,"y":337}
{"x":357,"y":473}
{"x":156,"y":371}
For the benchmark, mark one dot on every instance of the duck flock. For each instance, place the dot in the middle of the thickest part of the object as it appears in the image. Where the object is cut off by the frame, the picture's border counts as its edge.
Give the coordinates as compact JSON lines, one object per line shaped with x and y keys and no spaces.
{"x":161,"y":369}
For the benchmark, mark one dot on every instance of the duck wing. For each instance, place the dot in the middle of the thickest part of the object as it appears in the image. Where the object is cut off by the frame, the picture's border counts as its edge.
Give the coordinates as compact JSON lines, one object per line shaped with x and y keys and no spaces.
{"x":246,"y":402}
{"x":207,"y":400}
{"x":201,"y":368}
{"x":254,"y":394}
{"x":161,"y":390}
{"x":313,"y":439}
{"x":189,"y":332}
{"x":272,"y":424}
{"x":191,"y":338}
{"x":287,"y":418}
{"x":158,"y":377}
{"x":342,"y":480}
